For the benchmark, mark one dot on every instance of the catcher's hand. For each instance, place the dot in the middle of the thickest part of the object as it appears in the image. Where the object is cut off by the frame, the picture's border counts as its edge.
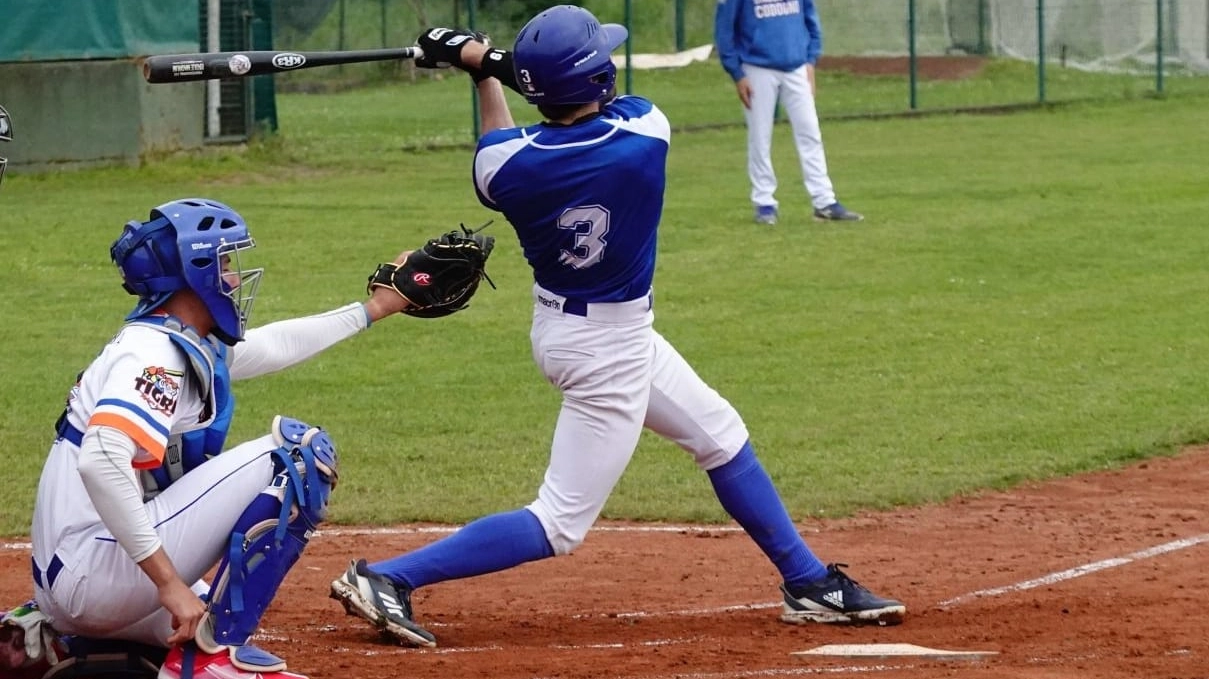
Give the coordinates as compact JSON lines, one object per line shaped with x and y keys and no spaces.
{"x":443,"y":46}
{"x":440,"y":277}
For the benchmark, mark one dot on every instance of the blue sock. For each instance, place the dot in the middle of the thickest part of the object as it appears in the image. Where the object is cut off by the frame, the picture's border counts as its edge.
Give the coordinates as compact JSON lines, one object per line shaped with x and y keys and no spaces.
{"x":492,"y":543}
{"x":747,"y":494}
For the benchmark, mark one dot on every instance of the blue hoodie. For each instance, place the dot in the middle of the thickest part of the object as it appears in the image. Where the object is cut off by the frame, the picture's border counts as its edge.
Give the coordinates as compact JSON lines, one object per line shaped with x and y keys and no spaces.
{"x":777,"y":34}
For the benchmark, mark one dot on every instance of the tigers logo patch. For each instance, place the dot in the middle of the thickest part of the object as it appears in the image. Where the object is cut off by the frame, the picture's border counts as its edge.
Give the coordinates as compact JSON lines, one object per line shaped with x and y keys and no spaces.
{"x":160,"y":388}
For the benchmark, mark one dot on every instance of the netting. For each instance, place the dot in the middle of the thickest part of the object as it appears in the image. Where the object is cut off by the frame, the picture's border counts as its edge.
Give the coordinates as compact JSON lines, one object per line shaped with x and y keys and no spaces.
{"x":1089,"y":34}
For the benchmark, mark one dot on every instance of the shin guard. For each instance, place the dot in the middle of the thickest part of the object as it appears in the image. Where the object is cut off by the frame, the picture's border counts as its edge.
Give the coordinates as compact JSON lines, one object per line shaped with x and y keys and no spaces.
{"x":268,"y":539}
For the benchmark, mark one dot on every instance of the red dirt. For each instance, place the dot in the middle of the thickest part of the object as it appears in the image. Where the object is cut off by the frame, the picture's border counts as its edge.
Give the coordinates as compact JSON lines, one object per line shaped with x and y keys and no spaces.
{"x":926,"y":68}
{"x":658,"y":604}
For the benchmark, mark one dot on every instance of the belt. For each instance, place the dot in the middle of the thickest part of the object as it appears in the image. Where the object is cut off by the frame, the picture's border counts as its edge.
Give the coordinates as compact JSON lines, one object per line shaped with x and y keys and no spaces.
{"x":66,"y":431}
{"x":603,"y":311}
{"x":575,"y":307}
{"x":47,"y":580}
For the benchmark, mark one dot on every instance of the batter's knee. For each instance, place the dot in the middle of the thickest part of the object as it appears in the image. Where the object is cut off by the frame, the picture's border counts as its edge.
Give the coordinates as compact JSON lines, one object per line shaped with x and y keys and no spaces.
{"x":564,"y":530}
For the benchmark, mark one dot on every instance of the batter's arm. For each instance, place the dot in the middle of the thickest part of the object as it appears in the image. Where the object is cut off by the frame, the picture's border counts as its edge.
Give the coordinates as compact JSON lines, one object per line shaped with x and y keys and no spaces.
{"x":494,"y":67}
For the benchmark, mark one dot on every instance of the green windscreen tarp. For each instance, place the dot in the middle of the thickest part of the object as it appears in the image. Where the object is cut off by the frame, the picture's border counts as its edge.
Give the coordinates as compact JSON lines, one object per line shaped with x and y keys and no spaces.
{"x":54,"y":30}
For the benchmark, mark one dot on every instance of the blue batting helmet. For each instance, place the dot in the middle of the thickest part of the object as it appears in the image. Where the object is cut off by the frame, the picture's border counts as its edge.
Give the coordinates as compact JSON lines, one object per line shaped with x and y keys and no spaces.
{"x":190,"y":244}
{"x":563,"y":56}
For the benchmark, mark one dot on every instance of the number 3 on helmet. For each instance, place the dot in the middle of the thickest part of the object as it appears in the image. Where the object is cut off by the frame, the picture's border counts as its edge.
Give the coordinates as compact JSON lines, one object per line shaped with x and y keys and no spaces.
{"x":564,"y":56}
{"x":192,"y":244}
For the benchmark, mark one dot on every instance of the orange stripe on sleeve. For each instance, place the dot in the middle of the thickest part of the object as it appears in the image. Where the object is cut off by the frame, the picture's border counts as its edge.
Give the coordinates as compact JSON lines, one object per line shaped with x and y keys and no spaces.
{"x":153,"y":447}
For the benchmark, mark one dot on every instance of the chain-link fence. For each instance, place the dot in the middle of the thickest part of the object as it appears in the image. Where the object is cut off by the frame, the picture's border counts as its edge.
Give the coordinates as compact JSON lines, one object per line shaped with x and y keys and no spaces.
{"x":880,"y":56}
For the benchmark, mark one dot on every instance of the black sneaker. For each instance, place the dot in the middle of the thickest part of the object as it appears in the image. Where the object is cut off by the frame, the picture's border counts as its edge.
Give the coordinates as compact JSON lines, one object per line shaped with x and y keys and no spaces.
{"x":838,"y":598}
{"x":375,"y":598}
{"x":837,"y":213}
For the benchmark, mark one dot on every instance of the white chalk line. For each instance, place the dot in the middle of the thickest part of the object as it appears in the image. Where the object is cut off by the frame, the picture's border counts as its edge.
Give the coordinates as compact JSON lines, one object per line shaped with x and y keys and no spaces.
{"x":1079,"y":571}
{"x":1052,"y":578}
{"x":274,"y":635}
{"x":772,"y":672}
{"x":443,"y":530}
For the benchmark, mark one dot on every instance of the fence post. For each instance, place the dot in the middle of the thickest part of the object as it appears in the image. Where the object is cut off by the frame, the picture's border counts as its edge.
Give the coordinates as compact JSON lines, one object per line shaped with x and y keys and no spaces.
{"x":629,"y":50}
{"x":982,"y":27}
{"x":340,"y":39}
{"x":1041,"y":51}
{"x":1158,"y":42}
{"x":912,"y":65}
{"x":679,"y":25}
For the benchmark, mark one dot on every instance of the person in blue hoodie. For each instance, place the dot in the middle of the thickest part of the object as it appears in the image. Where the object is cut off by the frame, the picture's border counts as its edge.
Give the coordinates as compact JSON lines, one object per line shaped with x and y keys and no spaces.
{"x":769,"y":48}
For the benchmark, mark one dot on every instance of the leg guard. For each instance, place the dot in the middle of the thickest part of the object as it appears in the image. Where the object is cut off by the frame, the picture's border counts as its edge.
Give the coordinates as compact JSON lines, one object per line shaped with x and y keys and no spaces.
{"x":267,"y":540}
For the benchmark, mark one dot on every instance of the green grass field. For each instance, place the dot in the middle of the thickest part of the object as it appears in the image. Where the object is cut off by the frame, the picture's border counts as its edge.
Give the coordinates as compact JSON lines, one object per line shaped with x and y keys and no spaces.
{"x":1026,"y":299}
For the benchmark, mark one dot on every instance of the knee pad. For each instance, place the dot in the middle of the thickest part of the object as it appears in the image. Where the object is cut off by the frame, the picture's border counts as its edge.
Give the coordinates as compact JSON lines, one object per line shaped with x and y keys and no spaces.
{"x":307,"y":458}
{"x":271,"y":534}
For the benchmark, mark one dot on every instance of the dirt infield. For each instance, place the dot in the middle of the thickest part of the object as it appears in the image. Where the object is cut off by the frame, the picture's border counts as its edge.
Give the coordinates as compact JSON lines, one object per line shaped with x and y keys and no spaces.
{"x":1104,"y":575}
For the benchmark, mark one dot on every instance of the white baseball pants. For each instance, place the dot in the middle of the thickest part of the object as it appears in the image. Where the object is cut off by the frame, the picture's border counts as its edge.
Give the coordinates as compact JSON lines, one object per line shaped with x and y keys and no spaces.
{"x":101,"y":592}
{"x":793,"y":90}
{"x":617,"y":376}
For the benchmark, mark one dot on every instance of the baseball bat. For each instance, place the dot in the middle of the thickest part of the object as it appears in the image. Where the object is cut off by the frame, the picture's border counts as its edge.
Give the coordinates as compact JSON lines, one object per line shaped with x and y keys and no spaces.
{"x":179,"y":68}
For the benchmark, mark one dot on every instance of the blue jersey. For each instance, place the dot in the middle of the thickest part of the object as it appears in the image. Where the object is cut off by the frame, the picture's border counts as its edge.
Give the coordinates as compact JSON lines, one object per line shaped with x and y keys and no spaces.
{"x":778,"y":34}
{"x":585,"y":199}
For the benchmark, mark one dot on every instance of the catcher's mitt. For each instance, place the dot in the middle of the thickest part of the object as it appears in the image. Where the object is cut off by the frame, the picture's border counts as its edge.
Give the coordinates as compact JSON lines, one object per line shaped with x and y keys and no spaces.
{"x":440,"y":277}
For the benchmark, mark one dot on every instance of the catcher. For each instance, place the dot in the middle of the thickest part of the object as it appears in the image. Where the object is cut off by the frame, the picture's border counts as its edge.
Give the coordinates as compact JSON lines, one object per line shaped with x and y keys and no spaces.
{"x":141,"y":494}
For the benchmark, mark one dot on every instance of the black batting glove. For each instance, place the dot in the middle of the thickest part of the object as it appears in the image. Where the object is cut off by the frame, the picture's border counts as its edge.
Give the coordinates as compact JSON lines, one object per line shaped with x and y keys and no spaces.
{"x":443,"y":46}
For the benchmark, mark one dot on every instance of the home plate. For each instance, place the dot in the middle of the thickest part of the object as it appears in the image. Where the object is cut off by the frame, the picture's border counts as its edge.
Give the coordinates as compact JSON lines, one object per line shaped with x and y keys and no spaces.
{"x":893,"y":651}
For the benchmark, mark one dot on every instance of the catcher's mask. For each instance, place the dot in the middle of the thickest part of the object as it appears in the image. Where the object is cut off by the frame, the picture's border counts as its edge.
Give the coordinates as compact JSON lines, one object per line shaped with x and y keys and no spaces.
{"x":563,"y":56}
{"x":6,"y":134}
{"x":192,"y":244}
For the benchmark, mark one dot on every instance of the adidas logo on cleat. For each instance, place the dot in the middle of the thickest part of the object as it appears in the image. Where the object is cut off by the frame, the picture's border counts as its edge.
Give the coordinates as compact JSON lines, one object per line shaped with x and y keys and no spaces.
{"x":835,"y":598}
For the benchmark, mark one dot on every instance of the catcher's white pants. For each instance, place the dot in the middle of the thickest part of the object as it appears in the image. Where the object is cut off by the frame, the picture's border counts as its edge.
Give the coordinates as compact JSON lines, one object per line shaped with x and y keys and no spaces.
{"x":793,"y":90}
{"x":101,"y":592}
{"x":616,"y":375}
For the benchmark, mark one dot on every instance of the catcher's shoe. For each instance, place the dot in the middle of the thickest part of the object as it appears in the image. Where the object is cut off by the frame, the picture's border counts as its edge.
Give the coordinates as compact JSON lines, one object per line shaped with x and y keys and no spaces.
{"x":838,"y":598}
{"x":375,"y":598}
{"x":186,"y":661}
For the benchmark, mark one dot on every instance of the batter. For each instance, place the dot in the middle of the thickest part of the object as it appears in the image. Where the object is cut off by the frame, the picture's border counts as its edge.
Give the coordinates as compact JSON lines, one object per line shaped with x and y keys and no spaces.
{"x":584,"y":192}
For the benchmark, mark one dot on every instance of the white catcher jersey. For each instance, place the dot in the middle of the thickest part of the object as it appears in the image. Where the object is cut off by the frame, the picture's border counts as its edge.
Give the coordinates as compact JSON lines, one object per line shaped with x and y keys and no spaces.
{"x":141,"y":384}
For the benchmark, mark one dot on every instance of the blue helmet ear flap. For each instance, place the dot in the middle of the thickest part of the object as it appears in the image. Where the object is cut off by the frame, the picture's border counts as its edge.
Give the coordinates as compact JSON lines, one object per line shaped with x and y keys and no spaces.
{"x":148,"y":261}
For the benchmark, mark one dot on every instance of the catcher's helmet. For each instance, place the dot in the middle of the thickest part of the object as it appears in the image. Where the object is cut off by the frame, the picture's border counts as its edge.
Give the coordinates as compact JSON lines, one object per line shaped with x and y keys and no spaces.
{"x":6,"y":134}
{"x":563,"y":56}
{"x":183,"y":246}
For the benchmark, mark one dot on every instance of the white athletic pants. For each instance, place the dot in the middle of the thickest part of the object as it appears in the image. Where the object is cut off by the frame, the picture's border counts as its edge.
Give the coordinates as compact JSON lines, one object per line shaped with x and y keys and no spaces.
{"x":101,"y":592}
{"x":616,"y":375}
{"x":793,"y":88}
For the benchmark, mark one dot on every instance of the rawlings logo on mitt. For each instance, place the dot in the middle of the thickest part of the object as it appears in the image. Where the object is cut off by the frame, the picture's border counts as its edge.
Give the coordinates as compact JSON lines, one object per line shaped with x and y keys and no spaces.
{"x":440,"y":277}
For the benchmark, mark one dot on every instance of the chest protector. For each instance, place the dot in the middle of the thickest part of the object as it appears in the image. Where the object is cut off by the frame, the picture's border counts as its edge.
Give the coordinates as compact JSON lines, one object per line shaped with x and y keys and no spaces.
{"x":208,"y":363}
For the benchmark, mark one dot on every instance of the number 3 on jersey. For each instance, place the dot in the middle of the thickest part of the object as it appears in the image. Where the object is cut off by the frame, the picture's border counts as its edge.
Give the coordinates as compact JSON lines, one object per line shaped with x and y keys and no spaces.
{"x":588,"y":224}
